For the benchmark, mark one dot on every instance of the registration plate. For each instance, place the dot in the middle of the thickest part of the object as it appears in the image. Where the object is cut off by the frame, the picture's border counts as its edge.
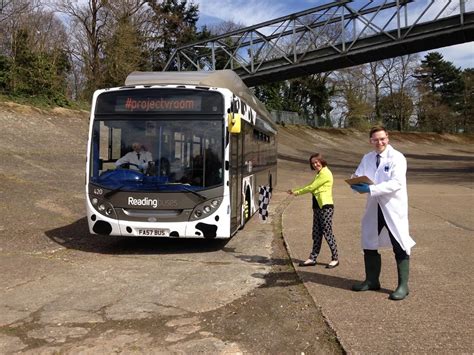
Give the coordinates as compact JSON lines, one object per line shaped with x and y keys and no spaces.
{"x":153,"y":232}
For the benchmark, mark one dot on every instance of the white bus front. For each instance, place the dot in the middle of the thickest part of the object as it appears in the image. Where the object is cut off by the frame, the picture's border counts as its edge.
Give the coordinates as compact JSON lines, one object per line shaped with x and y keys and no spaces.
{"x":179,"y":191}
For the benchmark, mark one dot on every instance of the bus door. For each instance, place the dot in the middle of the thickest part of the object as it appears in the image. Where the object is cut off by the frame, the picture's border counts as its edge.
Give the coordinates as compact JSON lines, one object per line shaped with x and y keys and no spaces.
{"x":235,"y":181}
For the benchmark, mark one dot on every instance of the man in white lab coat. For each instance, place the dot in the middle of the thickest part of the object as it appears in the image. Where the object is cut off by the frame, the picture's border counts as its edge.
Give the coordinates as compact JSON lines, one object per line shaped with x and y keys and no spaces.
{"x":138,"y":158}
{"x":385,"y":222}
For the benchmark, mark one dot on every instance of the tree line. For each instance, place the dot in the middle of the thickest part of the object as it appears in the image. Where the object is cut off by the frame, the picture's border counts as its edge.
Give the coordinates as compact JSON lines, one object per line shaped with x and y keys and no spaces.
{"x":403,"y":93}
{"x":61,"y":51}
{"x":65,"y":49}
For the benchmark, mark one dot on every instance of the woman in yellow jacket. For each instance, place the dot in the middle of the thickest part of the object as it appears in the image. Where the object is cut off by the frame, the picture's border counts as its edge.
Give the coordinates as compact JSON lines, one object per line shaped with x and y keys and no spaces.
{"x":323,"y":210}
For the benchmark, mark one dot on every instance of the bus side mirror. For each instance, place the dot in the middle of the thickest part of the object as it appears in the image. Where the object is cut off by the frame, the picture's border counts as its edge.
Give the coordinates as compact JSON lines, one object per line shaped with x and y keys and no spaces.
{"x":234,"y":122}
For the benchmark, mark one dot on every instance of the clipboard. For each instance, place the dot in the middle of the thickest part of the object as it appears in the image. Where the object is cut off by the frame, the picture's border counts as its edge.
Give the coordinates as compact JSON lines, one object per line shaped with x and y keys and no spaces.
{"x":359,"y":180}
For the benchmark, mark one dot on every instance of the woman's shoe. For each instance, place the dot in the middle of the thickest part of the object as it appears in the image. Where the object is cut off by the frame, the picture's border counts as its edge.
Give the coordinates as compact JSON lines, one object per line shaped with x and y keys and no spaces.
{"x":309,"y":262}
{"x":332,"y":264}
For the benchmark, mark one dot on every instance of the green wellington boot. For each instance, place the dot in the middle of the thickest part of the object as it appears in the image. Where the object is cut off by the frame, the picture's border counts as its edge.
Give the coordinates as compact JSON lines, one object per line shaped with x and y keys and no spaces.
{"x":373,"y":264}
{"x":403,"y":267}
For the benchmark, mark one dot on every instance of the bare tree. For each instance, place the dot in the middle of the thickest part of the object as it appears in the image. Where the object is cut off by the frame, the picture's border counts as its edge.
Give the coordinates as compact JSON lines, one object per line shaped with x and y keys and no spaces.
{"x":11,"y":9}
{"x":377,"y":71}
{"x":126,"y":8}
{"x":89,"y":22}
{"x":352,"y":97}
{"x":224,"y":27}
{"x":390,"y":89}
{"x":15,"y":14}
{"x":401,"y":88}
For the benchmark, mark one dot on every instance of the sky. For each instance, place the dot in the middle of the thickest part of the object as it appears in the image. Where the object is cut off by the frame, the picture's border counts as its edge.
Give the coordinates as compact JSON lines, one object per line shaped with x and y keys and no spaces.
{"x":252,"y":12}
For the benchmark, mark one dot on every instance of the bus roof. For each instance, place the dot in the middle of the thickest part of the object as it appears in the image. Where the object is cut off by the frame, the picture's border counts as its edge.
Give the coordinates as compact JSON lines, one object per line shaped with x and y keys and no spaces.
{"x":226,"y":79}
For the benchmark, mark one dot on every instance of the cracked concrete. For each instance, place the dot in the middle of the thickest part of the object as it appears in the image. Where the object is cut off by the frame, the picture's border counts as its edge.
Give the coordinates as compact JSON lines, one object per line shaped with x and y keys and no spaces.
{"x":65,"y":291}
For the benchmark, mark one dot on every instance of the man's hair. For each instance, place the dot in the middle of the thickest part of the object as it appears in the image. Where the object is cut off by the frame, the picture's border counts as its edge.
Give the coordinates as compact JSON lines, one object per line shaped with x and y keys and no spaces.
{"x":377,"y":129}
{"x":320,"y":158}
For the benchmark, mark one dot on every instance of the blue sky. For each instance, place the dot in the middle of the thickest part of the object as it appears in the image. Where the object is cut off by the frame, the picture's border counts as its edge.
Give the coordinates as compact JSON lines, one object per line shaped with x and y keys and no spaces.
{"x":251,"y":12}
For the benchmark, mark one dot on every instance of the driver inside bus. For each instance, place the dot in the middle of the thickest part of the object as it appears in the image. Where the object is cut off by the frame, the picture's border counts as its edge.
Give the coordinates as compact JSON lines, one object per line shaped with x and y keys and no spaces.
{"x":137,"y":159}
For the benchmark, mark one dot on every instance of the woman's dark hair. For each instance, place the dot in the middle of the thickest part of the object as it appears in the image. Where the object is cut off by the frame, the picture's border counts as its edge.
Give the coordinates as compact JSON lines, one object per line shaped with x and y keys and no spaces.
{"x":318,"y":157}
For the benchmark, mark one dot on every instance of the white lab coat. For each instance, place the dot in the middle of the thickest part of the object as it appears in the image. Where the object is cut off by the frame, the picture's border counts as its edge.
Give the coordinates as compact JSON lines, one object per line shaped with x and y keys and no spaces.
{"x":390,"y":192}
{"x":132,"y":157}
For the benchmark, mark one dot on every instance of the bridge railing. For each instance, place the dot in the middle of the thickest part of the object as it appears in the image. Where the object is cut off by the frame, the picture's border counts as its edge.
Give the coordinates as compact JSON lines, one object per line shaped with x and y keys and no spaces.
{"x":336,"y":28}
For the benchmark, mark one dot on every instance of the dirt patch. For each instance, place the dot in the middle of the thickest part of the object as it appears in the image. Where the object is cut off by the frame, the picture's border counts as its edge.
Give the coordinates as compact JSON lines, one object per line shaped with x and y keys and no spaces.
{"x":64,"y":112}
{"x":279,"y":317}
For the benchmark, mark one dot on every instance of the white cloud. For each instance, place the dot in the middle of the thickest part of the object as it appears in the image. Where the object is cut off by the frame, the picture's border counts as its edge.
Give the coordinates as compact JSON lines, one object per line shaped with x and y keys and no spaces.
{"x":240,"y":11}
{"x":461,"y":55}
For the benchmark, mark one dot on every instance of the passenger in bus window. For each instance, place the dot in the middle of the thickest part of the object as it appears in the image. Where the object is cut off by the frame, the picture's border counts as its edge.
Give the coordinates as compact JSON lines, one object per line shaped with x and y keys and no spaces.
{"x":137,"y":159}
{"x":196,"y":173}
{"x":164,"y":168}
{"x":176,"y":170}
{"x":212,"y":166}
{"x":323,"y":210}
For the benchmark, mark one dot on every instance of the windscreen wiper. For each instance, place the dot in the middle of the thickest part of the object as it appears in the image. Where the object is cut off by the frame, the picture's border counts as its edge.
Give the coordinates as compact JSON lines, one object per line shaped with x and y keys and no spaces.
{"x":113,"y":192}
{"x":201,"y":197}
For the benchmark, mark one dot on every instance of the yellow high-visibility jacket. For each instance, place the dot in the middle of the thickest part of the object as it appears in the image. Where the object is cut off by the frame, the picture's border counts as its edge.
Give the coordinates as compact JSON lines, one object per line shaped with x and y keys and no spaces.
{"x":321,"y":187}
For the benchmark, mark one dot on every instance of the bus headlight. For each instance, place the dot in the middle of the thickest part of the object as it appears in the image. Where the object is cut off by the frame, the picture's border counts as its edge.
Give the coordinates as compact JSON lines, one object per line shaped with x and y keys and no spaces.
{"x":103,"y":207}
{"x":205,"y":209}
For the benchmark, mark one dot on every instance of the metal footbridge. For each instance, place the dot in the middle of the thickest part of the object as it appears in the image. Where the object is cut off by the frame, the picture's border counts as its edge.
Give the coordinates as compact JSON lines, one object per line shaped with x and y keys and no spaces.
{"x":332,"y":36}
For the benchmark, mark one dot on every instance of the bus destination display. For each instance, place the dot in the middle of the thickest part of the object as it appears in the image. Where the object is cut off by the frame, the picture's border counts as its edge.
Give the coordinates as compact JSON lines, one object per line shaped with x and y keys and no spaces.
{"x":158,"y":104}
{"x":160,"y":101}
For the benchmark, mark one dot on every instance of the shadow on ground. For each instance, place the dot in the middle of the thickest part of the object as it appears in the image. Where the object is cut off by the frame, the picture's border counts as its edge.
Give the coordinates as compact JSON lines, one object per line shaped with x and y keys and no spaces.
{"x":76,"y":236}
{"x":284,"y":279}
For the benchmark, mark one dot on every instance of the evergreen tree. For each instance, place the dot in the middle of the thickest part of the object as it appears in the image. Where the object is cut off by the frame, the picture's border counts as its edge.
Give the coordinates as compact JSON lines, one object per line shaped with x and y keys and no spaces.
{"x":309,"y":96}
{"x":5,"y":63}
{"x":441,"y":81}
{"x":272,"y":95}
{"x":175,"y":25}
{"x":38,"y":73}
{"x":467,"y":110}
{"x":124,"y":52}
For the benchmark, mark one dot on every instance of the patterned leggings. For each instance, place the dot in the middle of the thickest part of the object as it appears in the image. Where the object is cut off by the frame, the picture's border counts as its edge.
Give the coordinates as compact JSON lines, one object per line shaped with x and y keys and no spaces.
{"x":322,"y":226}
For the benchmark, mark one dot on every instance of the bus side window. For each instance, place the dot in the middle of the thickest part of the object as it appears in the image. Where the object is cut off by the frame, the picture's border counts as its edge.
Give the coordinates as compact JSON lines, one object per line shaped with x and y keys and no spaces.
{"x":236,"y":106}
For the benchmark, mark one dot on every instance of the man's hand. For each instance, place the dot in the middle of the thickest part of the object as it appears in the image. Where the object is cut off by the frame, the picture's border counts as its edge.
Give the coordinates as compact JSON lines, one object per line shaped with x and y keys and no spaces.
{"x":361,"y":188}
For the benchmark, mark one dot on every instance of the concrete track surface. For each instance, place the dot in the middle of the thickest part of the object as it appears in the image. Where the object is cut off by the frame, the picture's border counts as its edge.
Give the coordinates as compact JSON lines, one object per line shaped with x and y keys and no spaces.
{"x":437,"y":316}
{"x":65,"y":291}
